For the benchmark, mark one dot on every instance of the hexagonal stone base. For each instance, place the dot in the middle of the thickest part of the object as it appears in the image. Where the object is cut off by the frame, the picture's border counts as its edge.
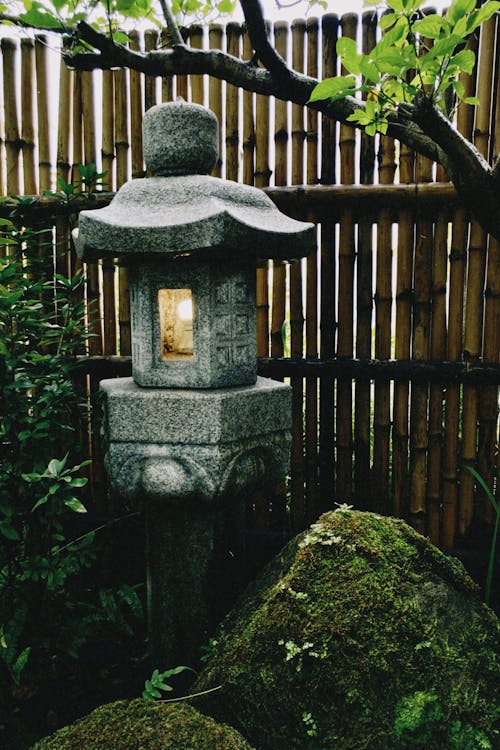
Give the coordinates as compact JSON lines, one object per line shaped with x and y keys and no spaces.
{"x":175,"y":444}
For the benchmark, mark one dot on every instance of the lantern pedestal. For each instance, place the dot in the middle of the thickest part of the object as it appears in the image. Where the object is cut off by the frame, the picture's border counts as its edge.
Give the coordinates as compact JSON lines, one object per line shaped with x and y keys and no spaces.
{"x":193,"y":457}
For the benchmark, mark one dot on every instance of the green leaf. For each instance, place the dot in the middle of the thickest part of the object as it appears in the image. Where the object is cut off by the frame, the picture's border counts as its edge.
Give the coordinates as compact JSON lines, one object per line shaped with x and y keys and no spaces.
{"x":78,"y":482}
{"x":40,"y":502}
{"x":430,"y":26}
{"x":75,"y":505}
{"x":120,"y":37}
{"x":482,"y":14}
{"x":369,"y":69}
{"x":396,"y":35}
{"x":333,"y":88}
{"x":458,"y":9}
{"x":40,"y":19}
{"x":477,"y":476}
{"x":471,"y":100}
{"x":176,"y":670}
{"x":395,"y":61}
{"x":226,"y":6}
{"x":464,"y":60}
{"x":9,"y":532}
{"x":387,"y":20}
{"x":444,"y":47}
{"x":348,"y":53}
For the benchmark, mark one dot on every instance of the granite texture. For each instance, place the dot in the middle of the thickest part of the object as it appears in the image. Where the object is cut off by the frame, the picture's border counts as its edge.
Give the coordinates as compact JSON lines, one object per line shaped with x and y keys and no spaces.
{"x":177,"y":474}
{"x":175,"y":445}
{"x":224,"y":328}
{"x":195,"y":214}
{"x":194,"y":417}
{"x":180,"y":138}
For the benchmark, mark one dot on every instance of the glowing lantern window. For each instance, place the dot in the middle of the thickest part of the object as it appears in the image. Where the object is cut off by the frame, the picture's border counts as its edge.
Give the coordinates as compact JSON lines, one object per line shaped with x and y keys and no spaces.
{"x":176,"y":323}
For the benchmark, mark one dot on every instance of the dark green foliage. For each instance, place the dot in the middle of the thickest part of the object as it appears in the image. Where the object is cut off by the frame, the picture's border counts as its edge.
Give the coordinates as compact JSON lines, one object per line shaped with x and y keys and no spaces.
{"x":156,"y":685}
{"x":360,"y":636}
{"x":420,"y":721}
{"x":145,"y":725}
{"x":50,"y":608}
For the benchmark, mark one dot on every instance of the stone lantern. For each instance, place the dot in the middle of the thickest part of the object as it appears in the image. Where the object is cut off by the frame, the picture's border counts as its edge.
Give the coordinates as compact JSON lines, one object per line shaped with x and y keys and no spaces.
{"x":194,"y":431}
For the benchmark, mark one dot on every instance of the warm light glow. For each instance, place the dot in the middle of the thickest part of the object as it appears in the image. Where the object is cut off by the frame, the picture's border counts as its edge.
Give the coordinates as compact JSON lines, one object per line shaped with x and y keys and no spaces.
{"x":176,"y":314}
{"x":185,"y":310}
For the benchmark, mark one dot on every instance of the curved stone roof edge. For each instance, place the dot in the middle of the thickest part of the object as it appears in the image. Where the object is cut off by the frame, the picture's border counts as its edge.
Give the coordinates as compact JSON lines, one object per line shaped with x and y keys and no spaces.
{"x":224,"y":231}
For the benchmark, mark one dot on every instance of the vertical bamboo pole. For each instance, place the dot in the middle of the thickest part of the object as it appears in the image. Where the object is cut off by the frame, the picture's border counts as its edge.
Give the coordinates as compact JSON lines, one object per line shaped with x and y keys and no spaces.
{"x":298,"y":507}
{"x":248,"y":122}
{"x":109,"y":116}
{"x":311,"y":401}
{"x":28,"y":116}
{"x":488,"y":398}
{"x":92,"y":269}
{"x":121,"y":145}
{"x":136,"y":113}
{"x":457,"y":263}
{"x":197,"y":83}
{"x":280,"y":178}
{"x":345,"y":345}
{"x":475,"y":283}
{"x":42,"y":76}
{"x":2,"y":135}
{"x":88,"y":114}
{"x":167,"y":82}
{"x":150,"y":88}
{"x":92,"y":287}
{"x":182,"y":84}
{"x":232,"y":108}
{"x":278,"y":313}
{"x":402,"y":347}
{"x":64,"y":121}
{"x":10,"y":54}
{"x":137,"y":163}
{"x":420,"y":350}
{"x":215,"y":39}
{"x":108,"y":127}
{"x":262,"y":176}
{"x":63,"y":162}
{"x":77,"y":128}
{"x":45,"y":240}
{"x":122,"y":148}
{"x":329,"y":26}
{"x":437,"y":352}
{"x":364,"y":295}
{"x":383,"y":316}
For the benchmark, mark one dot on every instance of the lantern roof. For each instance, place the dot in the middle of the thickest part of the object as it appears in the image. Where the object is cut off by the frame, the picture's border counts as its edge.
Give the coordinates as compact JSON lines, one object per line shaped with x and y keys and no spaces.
{"x":181,"y":210}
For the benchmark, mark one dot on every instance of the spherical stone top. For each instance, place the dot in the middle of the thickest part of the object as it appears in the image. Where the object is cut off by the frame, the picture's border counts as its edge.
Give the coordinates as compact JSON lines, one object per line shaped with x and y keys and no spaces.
{"x":180,"y":138}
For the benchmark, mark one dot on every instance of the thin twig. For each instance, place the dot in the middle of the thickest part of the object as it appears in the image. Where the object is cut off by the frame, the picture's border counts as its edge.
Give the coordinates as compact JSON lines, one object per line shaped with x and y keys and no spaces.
{"x":93,"y":531}
{"x":171,"y":23}
{"x":188,"y":697}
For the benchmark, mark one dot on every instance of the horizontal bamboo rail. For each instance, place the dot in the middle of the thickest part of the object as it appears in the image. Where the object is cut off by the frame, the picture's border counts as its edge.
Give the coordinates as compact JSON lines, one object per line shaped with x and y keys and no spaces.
{"x":302,"y":202}
{"x":410,"y":370}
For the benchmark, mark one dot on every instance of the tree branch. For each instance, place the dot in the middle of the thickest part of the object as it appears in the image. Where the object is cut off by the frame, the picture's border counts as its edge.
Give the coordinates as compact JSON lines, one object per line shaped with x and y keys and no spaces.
{"x":286,"y":85}
{"x":473,"y":177}
{"x":257,"y":32}
{"x":172,"y":27}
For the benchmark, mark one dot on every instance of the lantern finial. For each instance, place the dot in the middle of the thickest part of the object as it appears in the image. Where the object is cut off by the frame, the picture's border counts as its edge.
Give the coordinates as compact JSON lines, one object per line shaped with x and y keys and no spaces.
{"x":180,"y":139}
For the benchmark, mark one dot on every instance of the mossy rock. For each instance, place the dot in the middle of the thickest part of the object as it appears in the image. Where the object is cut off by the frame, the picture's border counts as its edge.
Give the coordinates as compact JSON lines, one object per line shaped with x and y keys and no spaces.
{"x":144,"y":725}
{"x":360,"y":634}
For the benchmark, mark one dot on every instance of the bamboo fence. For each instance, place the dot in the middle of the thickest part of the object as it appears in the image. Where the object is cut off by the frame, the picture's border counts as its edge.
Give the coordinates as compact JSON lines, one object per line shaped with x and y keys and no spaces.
{"x":389,"y":332}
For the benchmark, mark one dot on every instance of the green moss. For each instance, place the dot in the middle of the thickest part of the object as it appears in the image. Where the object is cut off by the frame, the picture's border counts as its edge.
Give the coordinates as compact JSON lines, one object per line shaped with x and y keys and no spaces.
{"x":142,"y":725}
{"x":355,"y":616}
